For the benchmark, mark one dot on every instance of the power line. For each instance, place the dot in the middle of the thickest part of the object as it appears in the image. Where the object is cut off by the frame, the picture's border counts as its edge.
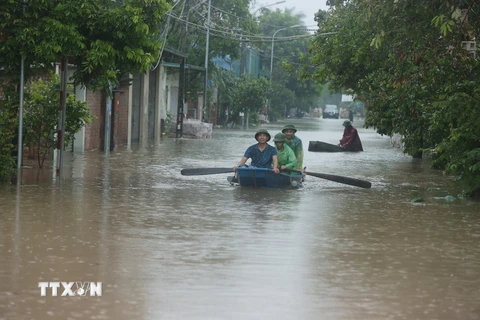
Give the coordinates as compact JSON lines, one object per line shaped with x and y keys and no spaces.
{"x":245,"y":19}
{"x":234,"y":35}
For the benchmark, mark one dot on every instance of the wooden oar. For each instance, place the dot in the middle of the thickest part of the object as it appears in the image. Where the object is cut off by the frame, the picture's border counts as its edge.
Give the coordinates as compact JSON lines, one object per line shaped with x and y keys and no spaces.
{"x":339,"y":179}
{"x":204,"y":171}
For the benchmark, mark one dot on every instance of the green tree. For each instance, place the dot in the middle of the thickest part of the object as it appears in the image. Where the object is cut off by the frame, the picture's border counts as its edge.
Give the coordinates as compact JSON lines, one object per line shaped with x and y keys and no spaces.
{"x":104,"y":39}
{"x":250,"y":95}
{"x":405,"y":60}
{"x":224,"y":81}
{"x":281,"y":100}
{"x":8,"y":131}
{"x":187,"y":32}
{"x":41,"y":114}
{"x":290,"y":52}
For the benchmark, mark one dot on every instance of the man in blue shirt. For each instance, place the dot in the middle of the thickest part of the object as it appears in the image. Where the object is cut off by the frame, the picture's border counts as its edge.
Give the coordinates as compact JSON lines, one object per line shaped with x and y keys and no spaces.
{"x":262,"y":154}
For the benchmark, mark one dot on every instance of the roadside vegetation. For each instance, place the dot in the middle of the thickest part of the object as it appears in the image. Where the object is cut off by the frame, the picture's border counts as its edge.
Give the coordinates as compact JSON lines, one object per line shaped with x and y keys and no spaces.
{"x":104,"y":39}
{"x":41,"y":116}
{"x":405,"y":60}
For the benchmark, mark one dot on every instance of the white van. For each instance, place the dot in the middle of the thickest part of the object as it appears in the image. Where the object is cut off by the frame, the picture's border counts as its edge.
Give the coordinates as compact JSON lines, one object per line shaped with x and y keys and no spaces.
{"x":331,"y":111}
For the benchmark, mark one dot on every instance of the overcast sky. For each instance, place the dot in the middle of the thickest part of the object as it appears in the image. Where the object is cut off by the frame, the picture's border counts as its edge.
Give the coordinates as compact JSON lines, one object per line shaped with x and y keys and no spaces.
{"x":307,"y":7}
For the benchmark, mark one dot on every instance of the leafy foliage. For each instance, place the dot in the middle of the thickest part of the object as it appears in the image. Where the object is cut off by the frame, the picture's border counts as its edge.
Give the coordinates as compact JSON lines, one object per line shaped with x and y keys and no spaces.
{"x":104,"y":39}
{"x":290,"y":51}
{"x":232,"y":22}
{"x":228,"y":19}
{"x":249,"y":95}
{"x":187,"y":32}
{"x":41,"y":113}
{"x":404,"y":59}
{"x":8,"y":131}
{"x":224,"y":81}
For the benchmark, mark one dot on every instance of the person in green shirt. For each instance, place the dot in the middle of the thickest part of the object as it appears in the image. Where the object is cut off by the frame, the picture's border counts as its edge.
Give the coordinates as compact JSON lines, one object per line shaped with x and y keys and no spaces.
{"x":294,"y":143}
{"x":285,"y":155}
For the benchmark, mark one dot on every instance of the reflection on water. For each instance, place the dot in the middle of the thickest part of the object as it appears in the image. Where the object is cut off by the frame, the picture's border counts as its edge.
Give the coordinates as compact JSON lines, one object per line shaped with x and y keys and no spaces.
{"x":167,"y":246}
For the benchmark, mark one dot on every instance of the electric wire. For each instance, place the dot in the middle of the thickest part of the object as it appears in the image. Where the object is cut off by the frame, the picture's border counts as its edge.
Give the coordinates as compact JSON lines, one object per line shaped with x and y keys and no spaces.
{"x":166,"y":34}
{"x":233,"y":35}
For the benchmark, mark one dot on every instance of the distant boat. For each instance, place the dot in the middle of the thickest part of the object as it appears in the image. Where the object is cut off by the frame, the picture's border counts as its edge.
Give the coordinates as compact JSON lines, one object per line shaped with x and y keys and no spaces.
{"x":319,"y":146}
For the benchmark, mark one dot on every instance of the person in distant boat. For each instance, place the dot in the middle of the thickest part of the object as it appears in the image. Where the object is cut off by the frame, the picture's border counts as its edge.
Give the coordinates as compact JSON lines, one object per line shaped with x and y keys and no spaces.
{"x":295,"y":143}
{"x":350,"y":140}
{"x":286,"y":156}
{"x":262,"y":154}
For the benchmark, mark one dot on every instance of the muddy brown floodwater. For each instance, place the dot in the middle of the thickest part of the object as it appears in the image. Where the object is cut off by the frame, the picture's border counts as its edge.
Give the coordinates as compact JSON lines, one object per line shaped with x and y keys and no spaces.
{"x":167,"y":246}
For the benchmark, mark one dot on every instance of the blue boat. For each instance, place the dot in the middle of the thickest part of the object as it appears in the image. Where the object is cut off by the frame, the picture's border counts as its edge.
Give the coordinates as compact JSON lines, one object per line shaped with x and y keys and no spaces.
{"x":262,"y":177}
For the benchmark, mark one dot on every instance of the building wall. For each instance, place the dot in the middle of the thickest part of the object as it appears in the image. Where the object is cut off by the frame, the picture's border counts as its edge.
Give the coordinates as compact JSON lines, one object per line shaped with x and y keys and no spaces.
{"x":152,"y":100}
{"x":166,"y":99}
{"x":172,"y":79}
{"x":94,"y":130}
{"x":136,"y":92}
{"x":121,"y":117}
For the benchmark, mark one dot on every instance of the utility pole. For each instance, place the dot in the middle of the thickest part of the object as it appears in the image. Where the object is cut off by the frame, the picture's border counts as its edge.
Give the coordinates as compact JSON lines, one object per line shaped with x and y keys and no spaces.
{"x":108,"y":117}
{"x":180,"y":105}
{"x":205,"y":100}
{"x":62,"y":114}
{"x":20,"y":115}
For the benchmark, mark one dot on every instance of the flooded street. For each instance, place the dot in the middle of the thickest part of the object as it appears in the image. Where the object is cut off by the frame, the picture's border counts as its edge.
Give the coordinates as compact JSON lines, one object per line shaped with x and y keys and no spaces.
{"x":167,"y":246}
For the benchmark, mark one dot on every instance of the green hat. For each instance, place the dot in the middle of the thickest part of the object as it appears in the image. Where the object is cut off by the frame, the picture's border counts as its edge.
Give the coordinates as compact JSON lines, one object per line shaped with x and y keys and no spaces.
{"x":289,"y":127}
{"x":262,"y":131}
{"x":280,"y":137}
{"x":347,"y":123}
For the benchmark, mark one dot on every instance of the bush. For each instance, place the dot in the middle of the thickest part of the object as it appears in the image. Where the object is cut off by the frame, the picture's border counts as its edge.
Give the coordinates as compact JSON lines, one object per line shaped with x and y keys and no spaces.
{"x":8,"y":131}
{"x":42,"y":99}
